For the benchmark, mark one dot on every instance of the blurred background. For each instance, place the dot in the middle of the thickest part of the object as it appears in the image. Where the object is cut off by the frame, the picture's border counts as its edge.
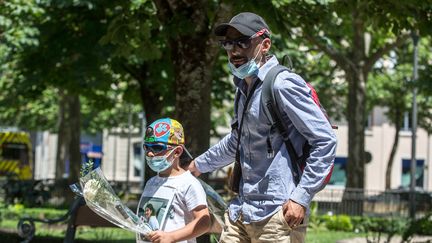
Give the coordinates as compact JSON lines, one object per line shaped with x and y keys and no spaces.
{"x":79,"y":80}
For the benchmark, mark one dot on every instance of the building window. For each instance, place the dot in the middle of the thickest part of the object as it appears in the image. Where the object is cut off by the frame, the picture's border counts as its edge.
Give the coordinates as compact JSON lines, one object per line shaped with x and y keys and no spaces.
{"x":339,"y":172}
{"x":369,"y":121}
{"x":406,"y":125}
{"x":406,"y":173}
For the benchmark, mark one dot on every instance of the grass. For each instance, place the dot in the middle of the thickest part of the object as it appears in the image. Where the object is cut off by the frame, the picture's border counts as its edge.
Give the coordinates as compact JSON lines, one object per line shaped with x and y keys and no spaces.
{"x":45,"y":233}
{"x":55,"y":233}
{"x":327,"y":236}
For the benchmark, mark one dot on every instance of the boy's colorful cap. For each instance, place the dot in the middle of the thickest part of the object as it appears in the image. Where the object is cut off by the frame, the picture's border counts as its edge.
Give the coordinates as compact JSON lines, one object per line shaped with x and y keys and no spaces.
{"x":165,"y":130}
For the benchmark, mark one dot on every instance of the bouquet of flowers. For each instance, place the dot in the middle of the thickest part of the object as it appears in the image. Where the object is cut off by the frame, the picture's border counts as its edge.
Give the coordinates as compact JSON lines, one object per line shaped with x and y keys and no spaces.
{"x":101,"y":198}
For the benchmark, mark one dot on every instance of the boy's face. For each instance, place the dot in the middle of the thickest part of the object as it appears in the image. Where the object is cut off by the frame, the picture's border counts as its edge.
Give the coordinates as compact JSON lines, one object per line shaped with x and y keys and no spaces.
{"x":159,"y":149}
{"x":171,"y":152}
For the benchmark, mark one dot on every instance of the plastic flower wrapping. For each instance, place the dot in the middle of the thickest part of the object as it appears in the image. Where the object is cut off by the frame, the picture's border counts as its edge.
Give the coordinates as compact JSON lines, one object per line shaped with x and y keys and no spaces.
{"x":216,"y":206}
{"x":101,"y":198}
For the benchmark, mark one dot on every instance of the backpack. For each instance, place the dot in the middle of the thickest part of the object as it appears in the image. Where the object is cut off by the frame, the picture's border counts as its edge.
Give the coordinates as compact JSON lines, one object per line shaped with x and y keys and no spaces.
{"x":271,"y":109}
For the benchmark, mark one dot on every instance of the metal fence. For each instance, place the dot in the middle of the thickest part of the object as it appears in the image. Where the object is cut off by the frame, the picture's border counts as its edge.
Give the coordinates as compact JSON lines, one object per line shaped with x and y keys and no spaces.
{"x":393,"y":203}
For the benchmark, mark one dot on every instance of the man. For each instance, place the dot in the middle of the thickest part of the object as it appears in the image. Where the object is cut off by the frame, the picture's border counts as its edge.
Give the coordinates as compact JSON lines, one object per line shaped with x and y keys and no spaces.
{"x":270,"y":206}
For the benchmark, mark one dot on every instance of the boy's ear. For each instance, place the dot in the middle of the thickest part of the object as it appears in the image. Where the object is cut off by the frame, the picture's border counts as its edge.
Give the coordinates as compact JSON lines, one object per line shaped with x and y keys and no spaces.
{"x":178,"y":151}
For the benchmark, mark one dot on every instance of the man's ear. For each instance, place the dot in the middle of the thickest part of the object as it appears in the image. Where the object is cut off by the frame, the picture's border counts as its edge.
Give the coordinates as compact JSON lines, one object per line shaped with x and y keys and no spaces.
{"x":266,"y":46}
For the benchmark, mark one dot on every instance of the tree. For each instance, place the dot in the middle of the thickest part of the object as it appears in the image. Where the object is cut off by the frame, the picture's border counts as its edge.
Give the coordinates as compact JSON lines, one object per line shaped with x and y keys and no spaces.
{"x":390,"y":90}
{"x":62,"y":60}
{"x":355,"y":35}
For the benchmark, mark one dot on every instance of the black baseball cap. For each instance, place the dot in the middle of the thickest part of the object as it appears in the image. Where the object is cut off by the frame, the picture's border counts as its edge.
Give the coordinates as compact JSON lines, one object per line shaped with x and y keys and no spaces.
{"x":246,"y":23}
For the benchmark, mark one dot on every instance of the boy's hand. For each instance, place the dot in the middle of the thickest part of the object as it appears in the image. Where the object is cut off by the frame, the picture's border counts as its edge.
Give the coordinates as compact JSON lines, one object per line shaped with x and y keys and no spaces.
{"x":161,"y":237}
{"x":193,"y":169}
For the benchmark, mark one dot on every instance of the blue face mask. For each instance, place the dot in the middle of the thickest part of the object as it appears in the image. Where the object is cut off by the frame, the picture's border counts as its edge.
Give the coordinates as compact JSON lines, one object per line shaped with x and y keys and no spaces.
{"x":246,"y":70}
{"x":159,"y":163}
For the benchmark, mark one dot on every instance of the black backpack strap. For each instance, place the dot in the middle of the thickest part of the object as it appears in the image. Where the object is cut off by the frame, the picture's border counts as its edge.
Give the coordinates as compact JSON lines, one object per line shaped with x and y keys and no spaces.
{"x":272,"y":112}
{"x":235,"y":124}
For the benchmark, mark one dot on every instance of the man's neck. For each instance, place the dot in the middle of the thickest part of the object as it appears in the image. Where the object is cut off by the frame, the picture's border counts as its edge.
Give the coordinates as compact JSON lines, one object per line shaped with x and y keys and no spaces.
{"x":248,"y":81}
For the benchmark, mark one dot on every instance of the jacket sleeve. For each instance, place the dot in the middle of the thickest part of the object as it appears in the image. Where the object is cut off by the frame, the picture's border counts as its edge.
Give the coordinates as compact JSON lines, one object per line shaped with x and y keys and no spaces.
{"x":223,"y":153}
{"x":301,"y":113}
{"x":219,"y":155}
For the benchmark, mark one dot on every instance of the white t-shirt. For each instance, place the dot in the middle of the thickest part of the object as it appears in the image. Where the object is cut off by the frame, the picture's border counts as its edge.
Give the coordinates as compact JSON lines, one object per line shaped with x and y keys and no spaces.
{"x":173,"y":199}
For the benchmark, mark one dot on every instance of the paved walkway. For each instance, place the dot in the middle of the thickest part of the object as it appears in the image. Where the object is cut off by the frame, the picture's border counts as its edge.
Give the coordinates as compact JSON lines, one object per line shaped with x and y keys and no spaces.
{"x":395,"y":239}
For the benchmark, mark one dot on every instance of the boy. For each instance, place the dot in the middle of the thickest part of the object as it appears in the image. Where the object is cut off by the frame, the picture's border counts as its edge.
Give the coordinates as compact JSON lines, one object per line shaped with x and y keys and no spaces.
{"x":175,"y":194}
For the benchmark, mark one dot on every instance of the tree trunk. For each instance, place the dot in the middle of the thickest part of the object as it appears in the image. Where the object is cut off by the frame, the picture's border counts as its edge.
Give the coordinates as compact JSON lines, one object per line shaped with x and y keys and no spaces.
{"x":193,"y":52}
{"x":68,"y":145}
{"x":151,"y":106}
{"x":356,"y":124}
{"x":63,"y":137}
{"x":398,"y":123}
{"x":75,"y":139}
{"x":357,"y":77}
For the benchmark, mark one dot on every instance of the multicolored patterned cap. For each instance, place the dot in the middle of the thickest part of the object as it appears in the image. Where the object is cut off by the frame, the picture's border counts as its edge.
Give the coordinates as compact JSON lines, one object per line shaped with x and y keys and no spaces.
{"x":165,"y":130}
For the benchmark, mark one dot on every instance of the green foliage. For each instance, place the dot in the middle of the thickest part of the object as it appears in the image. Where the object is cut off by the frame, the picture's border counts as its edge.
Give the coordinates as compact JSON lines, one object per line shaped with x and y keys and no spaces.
{"x":377,"y":227}
{"x":422,"y":226}
{"x":86,"y":168}
{"x":338,"y":222}
{"x":28,"y":193}
{"x":17,"y":211}
{"x":316,"y":222}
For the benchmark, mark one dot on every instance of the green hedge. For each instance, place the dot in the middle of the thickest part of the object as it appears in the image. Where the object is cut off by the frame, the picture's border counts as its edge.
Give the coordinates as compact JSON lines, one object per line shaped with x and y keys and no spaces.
{"x":18,"y":211}
{"x":375,"y":227}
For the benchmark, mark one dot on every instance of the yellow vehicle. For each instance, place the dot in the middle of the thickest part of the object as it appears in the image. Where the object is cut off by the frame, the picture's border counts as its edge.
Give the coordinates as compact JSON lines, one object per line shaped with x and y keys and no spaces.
{"x":16,"y":155}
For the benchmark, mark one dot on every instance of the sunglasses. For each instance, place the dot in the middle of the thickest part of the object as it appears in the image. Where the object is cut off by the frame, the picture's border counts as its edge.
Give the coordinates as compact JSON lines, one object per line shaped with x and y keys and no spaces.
{"x":156,"y":147}
{"x":243,"y":43}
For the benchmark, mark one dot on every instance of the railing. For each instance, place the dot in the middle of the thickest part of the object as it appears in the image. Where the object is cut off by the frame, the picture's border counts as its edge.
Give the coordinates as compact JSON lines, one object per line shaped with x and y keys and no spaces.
{"x":394,"y":203}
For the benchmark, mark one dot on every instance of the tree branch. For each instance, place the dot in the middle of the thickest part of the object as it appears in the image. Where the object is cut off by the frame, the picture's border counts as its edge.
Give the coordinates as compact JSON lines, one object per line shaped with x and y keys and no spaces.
{"x":223,"y":13}
{"x":338,"y":57}
{"x":370,"y":61}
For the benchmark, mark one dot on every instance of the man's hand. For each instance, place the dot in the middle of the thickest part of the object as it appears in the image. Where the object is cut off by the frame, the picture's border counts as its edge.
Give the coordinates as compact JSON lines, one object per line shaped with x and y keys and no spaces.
{"x":160,"y":237}
{"x":294,"y":213}
{"x":193,"y":169}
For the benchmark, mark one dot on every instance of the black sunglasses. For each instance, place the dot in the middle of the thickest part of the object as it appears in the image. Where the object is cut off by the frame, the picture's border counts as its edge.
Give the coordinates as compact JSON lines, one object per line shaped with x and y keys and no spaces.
{"x":243,"y":42}
{"x":156,"y":147}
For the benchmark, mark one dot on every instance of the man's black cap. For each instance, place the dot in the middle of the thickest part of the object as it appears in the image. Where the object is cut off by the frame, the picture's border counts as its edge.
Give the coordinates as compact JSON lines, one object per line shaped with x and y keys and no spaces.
{"x":246,"y":23}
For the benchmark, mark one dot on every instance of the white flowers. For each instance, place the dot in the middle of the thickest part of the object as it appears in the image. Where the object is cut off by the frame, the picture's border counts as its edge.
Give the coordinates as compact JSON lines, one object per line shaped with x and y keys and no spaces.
{"x":101,"y":198}
{"x":91,"y":188}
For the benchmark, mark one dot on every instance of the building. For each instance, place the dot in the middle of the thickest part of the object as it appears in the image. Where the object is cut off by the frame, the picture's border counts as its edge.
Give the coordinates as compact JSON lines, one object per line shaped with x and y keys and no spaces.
{"x":121,"y":162}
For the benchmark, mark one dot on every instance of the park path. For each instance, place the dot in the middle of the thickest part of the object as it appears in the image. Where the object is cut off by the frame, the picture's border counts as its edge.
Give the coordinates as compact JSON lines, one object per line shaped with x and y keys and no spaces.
{"x":396,"y":239}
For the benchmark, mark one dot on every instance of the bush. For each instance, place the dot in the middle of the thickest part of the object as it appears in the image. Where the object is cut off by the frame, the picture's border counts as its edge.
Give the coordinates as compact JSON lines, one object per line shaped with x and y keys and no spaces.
{"x":30,"y":193}
{"x":17,"y":211}
{"x":422,"y":226}
{"x":338,"y":222}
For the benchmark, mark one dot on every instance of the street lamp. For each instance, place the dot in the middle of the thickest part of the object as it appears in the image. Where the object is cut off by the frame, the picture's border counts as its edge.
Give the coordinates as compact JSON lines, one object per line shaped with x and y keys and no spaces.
{"x":412,"y":210}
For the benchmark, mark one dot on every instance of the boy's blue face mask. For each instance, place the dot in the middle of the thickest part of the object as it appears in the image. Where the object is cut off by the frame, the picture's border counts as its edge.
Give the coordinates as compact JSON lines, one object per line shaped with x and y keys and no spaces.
{"x":246,"y":70}
{"x":159,"y":163}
